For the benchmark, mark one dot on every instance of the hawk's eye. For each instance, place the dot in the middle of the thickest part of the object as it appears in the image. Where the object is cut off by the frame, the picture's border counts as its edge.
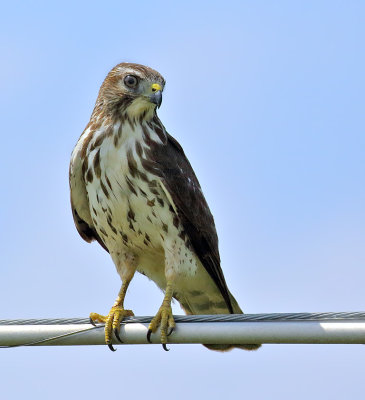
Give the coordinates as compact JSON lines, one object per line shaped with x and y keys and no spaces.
{"x":131,"y":81}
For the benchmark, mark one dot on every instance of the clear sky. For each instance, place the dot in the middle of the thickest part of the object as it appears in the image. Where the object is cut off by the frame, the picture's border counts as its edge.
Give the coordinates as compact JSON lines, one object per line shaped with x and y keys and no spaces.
{"x":267,"y":99}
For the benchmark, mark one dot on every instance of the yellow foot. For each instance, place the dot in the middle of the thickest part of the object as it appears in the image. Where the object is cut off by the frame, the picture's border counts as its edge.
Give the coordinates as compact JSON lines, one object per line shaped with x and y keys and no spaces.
{"x":164,"y":318}
{"x":112,"y":323}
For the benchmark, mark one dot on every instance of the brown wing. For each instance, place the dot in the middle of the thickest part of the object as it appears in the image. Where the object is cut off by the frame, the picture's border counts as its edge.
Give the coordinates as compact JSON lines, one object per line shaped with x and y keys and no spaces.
{"x":170,"y":163}
{"x":87,"y":232}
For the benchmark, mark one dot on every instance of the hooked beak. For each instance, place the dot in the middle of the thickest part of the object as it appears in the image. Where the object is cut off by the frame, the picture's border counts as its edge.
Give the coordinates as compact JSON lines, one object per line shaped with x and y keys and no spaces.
{"x":156,"y":98}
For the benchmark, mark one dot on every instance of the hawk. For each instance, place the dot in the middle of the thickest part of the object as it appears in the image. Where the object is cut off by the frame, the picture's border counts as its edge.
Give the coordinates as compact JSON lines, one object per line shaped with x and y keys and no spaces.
{"x":134,"y":191}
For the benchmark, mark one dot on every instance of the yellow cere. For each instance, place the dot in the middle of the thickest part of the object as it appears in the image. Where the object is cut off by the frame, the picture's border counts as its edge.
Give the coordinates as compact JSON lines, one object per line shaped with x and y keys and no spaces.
{"x":155,"y":87}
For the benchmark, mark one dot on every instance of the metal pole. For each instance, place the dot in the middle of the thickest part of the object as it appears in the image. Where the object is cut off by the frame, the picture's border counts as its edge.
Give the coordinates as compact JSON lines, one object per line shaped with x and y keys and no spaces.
{"x":351,"y":332}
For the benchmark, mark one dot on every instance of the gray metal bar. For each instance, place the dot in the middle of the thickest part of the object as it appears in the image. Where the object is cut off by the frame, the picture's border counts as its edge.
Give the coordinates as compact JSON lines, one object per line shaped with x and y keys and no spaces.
{"x":351,"y":332}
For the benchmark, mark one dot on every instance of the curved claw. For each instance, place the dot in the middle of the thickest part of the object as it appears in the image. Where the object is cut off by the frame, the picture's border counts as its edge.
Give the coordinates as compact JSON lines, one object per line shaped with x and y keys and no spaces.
{"x":171,"y":330}
{"x":116,"y":333}
{"x":111,"y":347}
{"x":165,"y":347}
{"x":149,"y":336}
{"x":92,"y":321}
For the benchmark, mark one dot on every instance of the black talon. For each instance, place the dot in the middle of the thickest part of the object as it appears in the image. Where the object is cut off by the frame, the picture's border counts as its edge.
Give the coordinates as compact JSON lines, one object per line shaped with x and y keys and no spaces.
{"x":116,"y":333}
{"x":171,"y":330}
{"x":149,"y":335}
{"x":92,"y":321}
{"x":165,"y":347}
{"x":111,"y":347}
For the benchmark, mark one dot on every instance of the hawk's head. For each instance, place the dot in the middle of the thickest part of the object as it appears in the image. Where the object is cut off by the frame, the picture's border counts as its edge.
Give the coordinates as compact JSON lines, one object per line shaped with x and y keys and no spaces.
{"x":132,"y":89}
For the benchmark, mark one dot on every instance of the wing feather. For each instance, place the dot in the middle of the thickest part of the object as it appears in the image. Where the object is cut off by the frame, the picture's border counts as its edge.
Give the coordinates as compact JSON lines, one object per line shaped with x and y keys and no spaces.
{"x":183,"y":187}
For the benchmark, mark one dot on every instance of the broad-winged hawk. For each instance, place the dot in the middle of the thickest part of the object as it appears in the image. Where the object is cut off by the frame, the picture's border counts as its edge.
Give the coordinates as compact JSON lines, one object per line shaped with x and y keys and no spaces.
{"x":135,"y":192}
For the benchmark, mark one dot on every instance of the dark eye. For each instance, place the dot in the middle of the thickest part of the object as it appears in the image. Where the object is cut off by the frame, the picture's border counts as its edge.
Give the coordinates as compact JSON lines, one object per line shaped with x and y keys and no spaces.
{"x":131,"y":81}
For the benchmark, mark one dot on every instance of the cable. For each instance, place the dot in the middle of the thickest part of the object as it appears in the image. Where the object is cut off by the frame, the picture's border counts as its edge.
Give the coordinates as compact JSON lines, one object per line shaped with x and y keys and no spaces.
{"x":325,"y":316}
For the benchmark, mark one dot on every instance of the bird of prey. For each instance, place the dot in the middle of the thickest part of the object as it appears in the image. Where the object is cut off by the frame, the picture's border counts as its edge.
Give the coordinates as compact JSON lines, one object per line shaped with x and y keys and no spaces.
{"x":134,"y":191}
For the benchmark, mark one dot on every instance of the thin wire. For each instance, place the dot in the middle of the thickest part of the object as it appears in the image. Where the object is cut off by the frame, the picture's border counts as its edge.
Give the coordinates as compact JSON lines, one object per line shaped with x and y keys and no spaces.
{"x":49,"y":339}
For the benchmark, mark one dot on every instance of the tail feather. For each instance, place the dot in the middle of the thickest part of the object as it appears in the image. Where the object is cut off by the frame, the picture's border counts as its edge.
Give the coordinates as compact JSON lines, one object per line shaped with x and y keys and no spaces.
{"x":204,"y":304}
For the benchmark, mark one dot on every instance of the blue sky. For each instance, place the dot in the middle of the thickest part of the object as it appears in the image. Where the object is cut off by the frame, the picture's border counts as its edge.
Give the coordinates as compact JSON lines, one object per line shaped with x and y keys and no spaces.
{"x":267,"y":99}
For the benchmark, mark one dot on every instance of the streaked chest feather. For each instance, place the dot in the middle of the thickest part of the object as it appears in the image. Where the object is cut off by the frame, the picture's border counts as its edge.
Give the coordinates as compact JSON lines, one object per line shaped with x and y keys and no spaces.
{"x":127,"y":203}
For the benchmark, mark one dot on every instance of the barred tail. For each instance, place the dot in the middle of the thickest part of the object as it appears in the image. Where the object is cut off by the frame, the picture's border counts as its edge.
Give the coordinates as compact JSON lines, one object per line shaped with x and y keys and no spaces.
{"x":201,"y":303}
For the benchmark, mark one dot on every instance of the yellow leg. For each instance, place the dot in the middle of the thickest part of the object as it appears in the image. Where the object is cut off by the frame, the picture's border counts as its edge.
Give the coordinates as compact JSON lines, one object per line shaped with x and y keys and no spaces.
{"x":164,"y":318}
{"x":114,"y":318}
